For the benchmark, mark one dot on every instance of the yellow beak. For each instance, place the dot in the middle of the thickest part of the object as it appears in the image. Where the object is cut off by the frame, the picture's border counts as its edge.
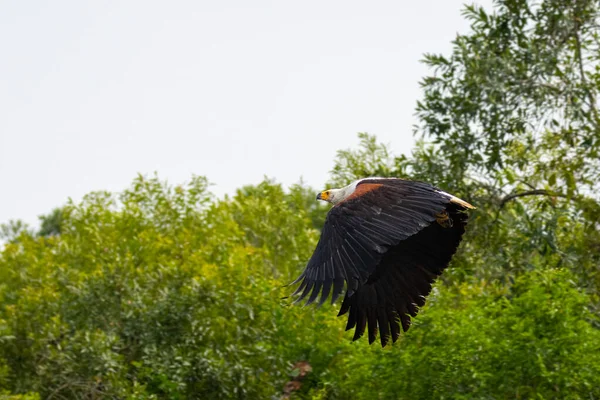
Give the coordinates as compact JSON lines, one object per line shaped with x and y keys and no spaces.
{"x":323,"y":196}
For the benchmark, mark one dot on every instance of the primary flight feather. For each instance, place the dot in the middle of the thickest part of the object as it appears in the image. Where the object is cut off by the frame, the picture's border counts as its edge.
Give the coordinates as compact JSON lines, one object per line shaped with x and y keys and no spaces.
{"x":385,"y":240}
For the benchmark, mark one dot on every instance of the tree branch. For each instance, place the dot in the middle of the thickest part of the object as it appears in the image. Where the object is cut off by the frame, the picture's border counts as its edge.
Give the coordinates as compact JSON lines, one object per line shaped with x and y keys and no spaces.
{"x":536,"y":192}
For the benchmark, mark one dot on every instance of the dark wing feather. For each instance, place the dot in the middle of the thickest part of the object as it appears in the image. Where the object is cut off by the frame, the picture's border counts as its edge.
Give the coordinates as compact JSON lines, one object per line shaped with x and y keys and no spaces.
{"x":403,"y":279}
{"x":360,"y":230}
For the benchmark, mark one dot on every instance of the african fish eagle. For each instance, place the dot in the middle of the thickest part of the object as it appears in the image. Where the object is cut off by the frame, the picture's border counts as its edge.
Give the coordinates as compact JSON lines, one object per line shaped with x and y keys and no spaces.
{"x":386,"y":240}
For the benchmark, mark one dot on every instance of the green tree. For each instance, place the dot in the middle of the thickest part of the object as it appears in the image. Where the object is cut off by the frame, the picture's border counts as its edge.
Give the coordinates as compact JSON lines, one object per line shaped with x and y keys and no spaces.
{"x":51,"y":223}
{"x":509,"y":121}
{"x":513,"y":117}
{"x":164,"y":292}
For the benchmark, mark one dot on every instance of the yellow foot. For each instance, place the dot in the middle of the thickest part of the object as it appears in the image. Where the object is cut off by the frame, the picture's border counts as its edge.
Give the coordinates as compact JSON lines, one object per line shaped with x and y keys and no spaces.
{"x":444,"y":219}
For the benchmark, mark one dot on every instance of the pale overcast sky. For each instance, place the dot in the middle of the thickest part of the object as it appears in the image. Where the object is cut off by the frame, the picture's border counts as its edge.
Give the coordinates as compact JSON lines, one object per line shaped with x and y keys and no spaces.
{"x":93,"y":92}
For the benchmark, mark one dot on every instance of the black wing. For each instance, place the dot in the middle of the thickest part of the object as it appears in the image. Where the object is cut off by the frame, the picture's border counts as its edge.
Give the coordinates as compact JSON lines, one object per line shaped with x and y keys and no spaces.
{"x":360,"y":230}
{"x":403,"y":279}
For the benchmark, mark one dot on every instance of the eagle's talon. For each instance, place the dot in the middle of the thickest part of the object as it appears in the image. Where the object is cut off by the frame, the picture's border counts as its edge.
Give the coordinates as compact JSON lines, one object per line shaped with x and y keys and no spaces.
{"x":444,"y":219}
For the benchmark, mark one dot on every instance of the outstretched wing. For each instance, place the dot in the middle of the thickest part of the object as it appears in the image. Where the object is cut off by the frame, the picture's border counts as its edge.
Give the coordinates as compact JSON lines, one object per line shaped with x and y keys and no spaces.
{"x":403,"y":279}
{"x":360,"y":230}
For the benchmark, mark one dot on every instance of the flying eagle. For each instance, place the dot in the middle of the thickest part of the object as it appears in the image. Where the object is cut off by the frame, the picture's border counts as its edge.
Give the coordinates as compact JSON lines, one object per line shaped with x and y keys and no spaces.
{"x":386,"y":240}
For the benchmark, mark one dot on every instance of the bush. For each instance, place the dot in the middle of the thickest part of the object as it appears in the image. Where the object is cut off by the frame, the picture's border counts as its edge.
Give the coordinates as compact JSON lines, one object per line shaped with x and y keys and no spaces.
{"x":162,"y":292}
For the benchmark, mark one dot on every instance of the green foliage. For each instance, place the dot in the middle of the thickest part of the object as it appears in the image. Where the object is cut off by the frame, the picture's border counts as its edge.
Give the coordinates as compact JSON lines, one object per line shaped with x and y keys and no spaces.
{"x":508,"y":121}
{"x":28,"y":396}
{"x":487,"y":341}
{"x":163,"y":292}
{"x":520,"y":93}
{"x":11,"y":230}
{"x":371,"y":159}
{"x":51,"y":223}
{"x":513,"y":123}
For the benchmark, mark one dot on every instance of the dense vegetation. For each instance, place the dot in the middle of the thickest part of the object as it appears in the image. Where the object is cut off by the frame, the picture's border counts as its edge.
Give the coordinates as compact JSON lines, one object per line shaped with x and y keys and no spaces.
{"x":166,"y":292}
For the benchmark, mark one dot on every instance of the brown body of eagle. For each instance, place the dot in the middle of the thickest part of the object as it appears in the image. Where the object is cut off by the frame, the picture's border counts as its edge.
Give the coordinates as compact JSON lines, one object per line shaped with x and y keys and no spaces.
{"x":385,"y":240}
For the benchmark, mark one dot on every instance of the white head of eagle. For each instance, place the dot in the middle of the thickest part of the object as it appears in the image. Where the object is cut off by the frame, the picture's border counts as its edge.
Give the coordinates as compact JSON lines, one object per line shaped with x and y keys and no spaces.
{"x":336,"y":196}
{"x":384,"y":242}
